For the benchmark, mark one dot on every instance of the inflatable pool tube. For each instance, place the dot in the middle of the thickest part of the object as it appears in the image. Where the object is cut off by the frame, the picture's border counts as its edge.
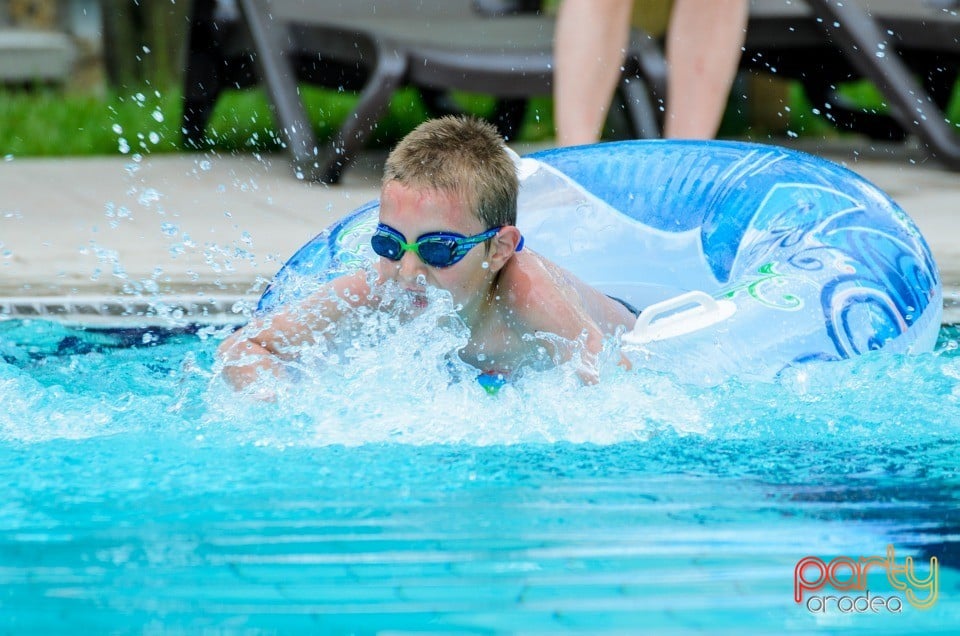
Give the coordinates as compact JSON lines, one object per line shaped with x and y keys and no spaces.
{"x":745,"y":258}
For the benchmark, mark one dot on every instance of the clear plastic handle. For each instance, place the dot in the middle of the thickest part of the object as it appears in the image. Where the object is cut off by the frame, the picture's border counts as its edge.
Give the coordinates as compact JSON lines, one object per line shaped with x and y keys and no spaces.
{"x":679,"y":315}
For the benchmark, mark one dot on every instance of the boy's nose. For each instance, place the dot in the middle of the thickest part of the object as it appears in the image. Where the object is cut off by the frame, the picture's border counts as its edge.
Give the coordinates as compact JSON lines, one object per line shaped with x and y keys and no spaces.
{"x":410,"y":266}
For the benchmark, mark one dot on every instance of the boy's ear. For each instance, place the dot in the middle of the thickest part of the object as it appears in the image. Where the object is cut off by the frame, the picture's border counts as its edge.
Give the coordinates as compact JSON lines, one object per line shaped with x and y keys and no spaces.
{"x":503,"y":246}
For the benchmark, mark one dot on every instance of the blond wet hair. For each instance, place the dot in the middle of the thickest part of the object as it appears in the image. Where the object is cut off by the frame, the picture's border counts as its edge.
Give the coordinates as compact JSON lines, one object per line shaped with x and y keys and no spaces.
{"x":463,"y":155}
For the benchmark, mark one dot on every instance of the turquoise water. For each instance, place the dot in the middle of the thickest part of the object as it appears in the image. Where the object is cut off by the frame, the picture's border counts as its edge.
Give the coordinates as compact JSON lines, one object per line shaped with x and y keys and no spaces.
{"x":392,"y":494}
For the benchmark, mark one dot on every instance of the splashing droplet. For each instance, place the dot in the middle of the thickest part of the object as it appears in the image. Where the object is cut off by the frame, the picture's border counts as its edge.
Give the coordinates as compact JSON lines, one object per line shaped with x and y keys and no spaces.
{"x":148,"y":196}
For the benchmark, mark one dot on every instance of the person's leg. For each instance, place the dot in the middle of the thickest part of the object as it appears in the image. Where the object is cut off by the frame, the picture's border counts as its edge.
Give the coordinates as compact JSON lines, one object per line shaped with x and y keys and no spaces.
{"x":704,"y":43}
{"x":589,"y":47}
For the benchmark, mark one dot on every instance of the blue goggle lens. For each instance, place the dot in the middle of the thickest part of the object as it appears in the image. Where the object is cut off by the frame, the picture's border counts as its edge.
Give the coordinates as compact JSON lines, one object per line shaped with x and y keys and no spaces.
{"x":436,"y":250}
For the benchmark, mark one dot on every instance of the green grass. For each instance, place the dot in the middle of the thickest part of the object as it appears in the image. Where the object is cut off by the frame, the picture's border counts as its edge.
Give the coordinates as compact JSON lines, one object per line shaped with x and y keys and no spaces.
{"x":46,"y":122}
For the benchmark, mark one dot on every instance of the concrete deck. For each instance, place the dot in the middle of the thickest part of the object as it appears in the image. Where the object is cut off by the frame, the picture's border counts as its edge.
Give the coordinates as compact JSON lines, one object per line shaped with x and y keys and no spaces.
{"x":208,"y":230}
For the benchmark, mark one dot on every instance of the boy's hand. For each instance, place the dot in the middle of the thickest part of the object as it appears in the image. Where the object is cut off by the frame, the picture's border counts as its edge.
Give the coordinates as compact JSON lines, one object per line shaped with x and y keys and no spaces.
{"x":244,"y":362}
{"x":588,"y":374}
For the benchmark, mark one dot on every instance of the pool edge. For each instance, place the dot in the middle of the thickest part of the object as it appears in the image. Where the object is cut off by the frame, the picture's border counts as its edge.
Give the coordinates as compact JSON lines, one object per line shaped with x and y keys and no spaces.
{"x":130,"y":311}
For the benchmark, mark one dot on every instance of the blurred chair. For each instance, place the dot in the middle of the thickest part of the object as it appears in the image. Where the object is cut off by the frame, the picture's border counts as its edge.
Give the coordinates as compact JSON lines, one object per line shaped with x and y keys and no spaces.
{"x":35,"y":47}
{"x":910,"y":50}
{"x":500,"y":48}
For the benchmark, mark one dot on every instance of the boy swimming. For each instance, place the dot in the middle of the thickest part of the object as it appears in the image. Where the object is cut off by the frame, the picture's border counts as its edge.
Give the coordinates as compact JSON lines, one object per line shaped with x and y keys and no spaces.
{"x":448,"y":209}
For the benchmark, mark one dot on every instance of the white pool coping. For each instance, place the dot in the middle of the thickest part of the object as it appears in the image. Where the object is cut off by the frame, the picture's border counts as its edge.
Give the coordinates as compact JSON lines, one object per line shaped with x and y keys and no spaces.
{"x":202,"y":231}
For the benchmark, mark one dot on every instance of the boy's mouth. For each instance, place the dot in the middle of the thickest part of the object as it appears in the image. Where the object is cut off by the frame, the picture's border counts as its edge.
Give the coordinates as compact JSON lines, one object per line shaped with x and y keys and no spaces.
{"x":418,"y":298}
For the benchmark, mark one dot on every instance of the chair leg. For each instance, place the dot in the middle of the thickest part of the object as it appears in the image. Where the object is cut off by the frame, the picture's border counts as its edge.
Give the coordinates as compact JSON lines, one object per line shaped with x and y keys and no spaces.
{"x":201,"y":85}
{"x":641,"y":114}
{"x":643,"y":87}
{"x":350,"y":139}
{"x":438,"y":102}
{"x":508,"y":116}
{"x":280,"y":78}
{"x":844,"y":115}
{"x":860,"y":39}
{"x":387,"y":74}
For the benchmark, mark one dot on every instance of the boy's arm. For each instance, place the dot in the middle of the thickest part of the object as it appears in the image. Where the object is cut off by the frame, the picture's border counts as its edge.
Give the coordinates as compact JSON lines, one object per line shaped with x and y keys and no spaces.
{"x":574,"y":325}
{"x":550,"y":304}
{"x":264,"y":343}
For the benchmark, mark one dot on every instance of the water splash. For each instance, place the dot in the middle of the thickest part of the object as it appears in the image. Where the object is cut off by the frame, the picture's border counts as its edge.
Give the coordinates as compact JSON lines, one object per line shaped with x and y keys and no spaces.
{"x":397,"y":379}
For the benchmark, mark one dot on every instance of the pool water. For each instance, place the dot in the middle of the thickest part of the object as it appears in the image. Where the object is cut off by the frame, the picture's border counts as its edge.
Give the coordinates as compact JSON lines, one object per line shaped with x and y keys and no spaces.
{"x":391,"y":493}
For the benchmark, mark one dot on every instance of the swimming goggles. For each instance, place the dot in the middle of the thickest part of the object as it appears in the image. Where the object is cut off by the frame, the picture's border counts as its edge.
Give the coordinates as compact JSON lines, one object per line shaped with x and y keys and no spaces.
{"x":436,"y":249}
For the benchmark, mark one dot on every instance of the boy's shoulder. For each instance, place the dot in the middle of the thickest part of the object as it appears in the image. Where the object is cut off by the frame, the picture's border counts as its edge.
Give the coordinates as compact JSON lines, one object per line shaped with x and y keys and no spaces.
{"x":531,"y":273}
{"x":530,"y":284}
